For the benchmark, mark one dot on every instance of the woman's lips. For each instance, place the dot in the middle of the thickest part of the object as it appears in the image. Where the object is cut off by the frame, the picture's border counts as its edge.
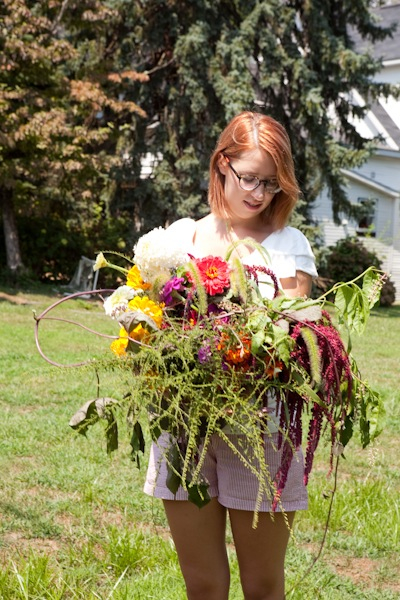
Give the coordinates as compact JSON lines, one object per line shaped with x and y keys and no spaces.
{"x":252,"y":205}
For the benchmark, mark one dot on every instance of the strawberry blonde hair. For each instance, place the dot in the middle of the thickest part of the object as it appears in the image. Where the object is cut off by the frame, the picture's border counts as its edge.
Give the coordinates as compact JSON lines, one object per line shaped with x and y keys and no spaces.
{"x":248,"y":131}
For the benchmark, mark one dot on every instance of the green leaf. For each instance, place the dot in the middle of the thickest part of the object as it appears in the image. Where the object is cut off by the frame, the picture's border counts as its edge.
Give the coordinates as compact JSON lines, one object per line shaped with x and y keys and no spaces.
{"x":346,"y":432}
{"x":137,"y":442}
{"x":307,"y":392}
{"x":353,"y":307}
{"x":258,"y":320}
{"x":257,"y":341}
{"x":372,"y":415}
{"x":343,"y":297}
{"x":282,"y":342}
{"x":198,"y":494}
{"x":111,"y":432}
{"x":174,"y":468}
{"x":372,"y":286}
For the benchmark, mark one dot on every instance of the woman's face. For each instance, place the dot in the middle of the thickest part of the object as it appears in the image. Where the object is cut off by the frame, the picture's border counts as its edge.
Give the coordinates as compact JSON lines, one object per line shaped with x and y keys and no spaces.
{"x":242,"y":204}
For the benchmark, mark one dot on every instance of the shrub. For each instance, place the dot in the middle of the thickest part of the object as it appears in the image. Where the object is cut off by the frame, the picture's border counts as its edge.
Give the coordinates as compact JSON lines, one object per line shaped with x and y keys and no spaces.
{"x":344,"y":261}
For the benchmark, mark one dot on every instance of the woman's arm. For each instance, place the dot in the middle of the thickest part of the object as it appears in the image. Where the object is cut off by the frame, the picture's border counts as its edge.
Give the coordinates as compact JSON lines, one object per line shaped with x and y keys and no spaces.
{"x":297,"y":286}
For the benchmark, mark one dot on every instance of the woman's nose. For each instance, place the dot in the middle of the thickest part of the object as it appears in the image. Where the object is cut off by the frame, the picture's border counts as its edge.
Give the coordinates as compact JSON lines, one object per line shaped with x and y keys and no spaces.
{"x":258,"y":193}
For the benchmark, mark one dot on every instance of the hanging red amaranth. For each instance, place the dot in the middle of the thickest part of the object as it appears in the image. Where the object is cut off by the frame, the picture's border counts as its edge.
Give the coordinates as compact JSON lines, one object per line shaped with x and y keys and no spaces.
{"x":335,"y":370}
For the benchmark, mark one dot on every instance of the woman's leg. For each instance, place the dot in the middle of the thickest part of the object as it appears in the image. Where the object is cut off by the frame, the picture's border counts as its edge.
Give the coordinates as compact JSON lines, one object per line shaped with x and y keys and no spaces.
{"x":199,"y":537}
{"x":261,"y":553}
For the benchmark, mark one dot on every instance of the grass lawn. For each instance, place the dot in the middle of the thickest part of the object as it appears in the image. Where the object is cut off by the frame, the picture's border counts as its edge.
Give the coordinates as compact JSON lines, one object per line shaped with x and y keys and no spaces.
{"x":74,"y":522}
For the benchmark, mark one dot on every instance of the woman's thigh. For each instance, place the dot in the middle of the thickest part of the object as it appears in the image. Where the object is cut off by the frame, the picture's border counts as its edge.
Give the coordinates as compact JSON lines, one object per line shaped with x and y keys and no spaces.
{"x":261,"y":552}
{"x":199,"y":538}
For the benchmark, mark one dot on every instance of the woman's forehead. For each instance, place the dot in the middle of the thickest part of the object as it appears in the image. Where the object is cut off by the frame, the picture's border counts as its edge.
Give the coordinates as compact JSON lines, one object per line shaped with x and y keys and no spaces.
{"x":257,"y":160}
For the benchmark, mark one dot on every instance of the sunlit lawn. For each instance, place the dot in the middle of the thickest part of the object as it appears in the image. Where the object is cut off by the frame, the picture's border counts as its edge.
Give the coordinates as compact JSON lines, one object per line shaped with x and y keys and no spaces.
{"x":75,"y":523}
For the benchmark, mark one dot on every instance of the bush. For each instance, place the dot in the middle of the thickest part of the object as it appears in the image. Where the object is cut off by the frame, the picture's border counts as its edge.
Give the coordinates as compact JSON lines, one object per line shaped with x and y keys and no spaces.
{"x":344,"y":261}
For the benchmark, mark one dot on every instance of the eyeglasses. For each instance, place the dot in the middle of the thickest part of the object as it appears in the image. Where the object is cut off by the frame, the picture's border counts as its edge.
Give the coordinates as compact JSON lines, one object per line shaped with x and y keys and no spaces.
{"x":250,"y":182}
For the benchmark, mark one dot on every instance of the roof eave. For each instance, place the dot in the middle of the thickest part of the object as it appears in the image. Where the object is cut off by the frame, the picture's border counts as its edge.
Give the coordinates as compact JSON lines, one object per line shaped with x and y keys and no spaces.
{"x":374,"y":185}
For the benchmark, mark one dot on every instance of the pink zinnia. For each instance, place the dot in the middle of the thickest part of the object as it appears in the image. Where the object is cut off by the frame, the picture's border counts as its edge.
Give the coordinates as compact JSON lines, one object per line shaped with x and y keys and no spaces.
{"x":214,"y":274}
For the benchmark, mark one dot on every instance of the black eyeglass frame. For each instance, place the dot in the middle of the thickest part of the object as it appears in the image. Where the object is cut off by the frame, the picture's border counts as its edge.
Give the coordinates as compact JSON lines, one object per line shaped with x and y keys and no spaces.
{"x":260,"y":181}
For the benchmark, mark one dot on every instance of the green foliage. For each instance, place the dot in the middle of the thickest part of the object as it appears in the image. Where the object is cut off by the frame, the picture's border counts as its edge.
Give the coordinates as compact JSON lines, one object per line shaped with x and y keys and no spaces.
{"x":54,"y":245}
{"x":295,"y":61}
{"x":348,"y":259}
{"x":194,"y":379}
{"x":88,"y":90}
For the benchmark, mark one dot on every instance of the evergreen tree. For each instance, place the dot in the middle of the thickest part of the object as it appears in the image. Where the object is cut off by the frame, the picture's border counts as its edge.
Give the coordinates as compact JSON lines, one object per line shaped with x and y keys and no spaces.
{"x":206,"y":61}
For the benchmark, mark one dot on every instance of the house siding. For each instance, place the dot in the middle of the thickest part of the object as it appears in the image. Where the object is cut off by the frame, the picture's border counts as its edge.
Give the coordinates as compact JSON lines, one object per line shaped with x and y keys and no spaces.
{"x":385,"y":244}
{"x":383,"y":223}
{"x":379,"y":177}
{"x":382,"y":169}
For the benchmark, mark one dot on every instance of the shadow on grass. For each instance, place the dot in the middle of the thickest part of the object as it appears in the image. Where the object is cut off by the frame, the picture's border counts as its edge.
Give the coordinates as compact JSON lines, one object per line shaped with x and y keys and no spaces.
{"x":386,"y":312}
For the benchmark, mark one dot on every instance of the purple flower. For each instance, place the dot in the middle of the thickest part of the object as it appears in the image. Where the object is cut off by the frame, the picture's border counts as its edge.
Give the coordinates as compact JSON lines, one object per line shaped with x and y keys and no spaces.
{"x":204,"y":353}
{"x":167,"y":292}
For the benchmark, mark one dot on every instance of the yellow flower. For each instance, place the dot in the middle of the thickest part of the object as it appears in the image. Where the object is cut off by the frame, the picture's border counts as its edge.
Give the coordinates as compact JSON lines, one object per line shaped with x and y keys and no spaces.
{"x":119,"y":346}
{"x":135,"y":280}
{"x":139,"y":333}
{"x":148,"y":307}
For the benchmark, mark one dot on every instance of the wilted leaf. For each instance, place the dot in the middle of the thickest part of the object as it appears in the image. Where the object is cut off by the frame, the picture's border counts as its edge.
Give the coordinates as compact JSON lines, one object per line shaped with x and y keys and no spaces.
{"x":131,"y":319}
{"x":310,"y":313}
{"x":137,"y":442}
{"x":90,"y":413}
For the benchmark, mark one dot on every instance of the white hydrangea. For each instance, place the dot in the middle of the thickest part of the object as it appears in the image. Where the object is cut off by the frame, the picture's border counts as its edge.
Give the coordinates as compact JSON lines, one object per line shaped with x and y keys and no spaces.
{"x":117,"y":303}
{"x":157,"y":252}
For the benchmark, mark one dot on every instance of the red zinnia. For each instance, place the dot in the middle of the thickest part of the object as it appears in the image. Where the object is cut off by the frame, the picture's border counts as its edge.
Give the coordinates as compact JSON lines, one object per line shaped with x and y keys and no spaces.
{"x":214,"y":274}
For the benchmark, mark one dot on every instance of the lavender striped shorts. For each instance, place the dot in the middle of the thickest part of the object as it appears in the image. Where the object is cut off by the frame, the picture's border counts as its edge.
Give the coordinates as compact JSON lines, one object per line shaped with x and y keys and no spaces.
{"x":232,"y":482}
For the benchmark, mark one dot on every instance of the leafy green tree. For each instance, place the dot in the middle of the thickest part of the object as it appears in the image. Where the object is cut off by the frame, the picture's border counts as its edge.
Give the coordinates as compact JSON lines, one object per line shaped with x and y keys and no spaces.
{"x":63,"y":115}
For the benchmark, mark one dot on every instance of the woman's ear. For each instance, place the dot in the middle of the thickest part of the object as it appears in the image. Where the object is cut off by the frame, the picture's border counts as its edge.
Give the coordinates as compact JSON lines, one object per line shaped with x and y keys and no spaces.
{"x":222,"y":164}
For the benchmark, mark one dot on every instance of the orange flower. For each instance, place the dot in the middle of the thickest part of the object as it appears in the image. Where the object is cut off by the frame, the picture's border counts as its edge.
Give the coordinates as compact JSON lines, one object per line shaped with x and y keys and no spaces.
{"x":273,"y":367}
{"x":239,"y":353}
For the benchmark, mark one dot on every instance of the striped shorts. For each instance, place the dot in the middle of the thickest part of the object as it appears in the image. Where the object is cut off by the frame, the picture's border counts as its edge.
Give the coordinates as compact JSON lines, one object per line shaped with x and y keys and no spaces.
{"x":231,"y":481}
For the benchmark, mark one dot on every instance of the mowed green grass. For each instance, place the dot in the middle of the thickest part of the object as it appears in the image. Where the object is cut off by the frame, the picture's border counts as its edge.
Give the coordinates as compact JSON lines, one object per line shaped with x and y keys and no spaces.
{"x":74,"y":522}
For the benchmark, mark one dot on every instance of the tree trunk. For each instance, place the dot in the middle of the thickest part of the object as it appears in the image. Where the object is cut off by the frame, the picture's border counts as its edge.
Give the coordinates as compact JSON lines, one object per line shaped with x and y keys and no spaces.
{"x":13,"y":252}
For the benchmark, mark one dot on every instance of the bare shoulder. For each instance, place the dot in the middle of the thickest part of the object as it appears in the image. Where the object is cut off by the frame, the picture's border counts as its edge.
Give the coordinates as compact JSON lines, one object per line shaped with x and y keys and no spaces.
{"x":210,"y":237}
{"x":206,"y":223}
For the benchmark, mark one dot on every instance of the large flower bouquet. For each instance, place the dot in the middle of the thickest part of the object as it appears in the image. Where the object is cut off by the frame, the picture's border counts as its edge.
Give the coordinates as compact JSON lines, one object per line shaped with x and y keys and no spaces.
{"x":207,"y":353}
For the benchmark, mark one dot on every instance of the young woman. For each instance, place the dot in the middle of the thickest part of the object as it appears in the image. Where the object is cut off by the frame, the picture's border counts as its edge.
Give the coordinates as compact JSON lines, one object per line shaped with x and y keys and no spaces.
{"x":252,"y":193}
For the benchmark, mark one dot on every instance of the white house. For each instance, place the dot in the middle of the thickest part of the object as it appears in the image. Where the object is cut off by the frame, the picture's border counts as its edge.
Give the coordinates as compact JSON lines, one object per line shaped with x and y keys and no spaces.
{"x":376,"y":184}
